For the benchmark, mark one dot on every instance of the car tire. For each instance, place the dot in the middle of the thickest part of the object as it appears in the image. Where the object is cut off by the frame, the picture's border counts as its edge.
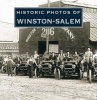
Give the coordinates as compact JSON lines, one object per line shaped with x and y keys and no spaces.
{"x":15,"y":71}
{"x":36,"y":73}
{"x":90,"y":76}
{"x":55,"y":72}
{"x":58,"y":75}
{"x":80,"y":74}
{"x":2,"y":69}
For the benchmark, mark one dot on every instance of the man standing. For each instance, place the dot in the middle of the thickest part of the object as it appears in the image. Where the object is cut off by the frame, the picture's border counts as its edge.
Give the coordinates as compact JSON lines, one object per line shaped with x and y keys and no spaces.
{"x":95,"y":57}
{"x":76,"y":56}
{"x":31,"y":64}
{"x":61,"y":56}
{"x":35,"y":55}
{"x":88,"y":58}
{"x":10,"y":64}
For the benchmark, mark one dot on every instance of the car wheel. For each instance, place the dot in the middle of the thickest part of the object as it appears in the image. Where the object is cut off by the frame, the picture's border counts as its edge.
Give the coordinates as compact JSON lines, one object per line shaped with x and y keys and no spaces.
{"x":55,"y":72}
{"x":36,"y":73}
{"x":80,"y":74}
{"x":15,"y":71}
{"x":2,"y":69}
{"x":58,"y":76}
{"x":90,"y":76}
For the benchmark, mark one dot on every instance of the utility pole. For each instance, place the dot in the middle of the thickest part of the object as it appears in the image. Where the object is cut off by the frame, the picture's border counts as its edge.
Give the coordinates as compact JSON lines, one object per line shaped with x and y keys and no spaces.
{"x":47,"y":34}
{"x":59,"y":3}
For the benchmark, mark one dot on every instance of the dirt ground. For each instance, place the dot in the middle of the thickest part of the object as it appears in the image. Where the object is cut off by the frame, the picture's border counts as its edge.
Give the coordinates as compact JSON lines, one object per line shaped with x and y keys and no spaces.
{"x":48,"y":88}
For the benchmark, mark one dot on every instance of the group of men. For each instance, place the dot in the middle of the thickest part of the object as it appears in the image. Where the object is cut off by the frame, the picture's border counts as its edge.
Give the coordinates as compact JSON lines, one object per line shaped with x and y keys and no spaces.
{"x":87,"y":58}
{"x":9,"y":62}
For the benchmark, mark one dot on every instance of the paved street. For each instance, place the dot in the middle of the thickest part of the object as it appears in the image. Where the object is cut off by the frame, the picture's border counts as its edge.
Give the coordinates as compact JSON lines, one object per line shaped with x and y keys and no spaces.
{"x":23,"y":88}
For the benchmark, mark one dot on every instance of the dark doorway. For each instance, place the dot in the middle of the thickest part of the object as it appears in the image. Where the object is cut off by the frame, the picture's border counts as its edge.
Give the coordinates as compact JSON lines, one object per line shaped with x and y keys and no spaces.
{"x":41,"y":47}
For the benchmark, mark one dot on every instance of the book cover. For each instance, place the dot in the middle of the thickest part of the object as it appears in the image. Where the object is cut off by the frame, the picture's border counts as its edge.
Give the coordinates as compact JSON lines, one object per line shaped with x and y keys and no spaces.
{"x":48,"y":50}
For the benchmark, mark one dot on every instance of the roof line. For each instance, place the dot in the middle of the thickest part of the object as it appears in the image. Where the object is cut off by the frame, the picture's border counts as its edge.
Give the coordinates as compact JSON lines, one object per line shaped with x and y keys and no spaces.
{"x":79,"y":4}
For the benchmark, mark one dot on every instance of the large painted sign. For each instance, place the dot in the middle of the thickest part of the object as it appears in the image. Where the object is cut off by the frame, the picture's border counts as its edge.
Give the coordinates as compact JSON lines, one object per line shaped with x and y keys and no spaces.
{"x":48,"y":17}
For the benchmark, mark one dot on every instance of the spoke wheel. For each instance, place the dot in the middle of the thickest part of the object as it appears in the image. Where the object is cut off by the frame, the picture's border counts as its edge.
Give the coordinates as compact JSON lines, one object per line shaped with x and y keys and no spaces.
{"x":90,"y":76}
{"x":58,"y":76}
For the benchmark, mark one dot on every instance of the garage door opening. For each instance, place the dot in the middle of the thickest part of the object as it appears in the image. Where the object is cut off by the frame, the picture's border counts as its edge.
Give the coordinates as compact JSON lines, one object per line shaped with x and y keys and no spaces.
{"x":53,"y":46}
{"x":41,"y":47}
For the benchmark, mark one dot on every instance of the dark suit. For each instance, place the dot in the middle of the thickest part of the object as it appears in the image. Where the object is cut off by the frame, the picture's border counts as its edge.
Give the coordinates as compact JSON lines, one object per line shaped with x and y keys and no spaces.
{"x":9,"y":66}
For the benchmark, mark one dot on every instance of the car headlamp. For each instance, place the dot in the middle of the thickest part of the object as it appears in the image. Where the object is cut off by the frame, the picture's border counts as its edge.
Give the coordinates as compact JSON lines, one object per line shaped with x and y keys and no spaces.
{"x":39,"y":66}
{"x":61,"y":66}
{"x":62,"y":63}
{"x":50,"y":66}
{"x":73,"y":66}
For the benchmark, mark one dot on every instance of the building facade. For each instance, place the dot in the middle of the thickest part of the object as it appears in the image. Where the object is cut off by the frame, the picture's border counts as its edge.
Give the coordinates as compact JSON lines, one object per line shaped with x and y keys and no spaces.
{"x":9,"y":48}
{"x":33,"y":39}
{"x":67,"y":39}
{"x":89,"y":14}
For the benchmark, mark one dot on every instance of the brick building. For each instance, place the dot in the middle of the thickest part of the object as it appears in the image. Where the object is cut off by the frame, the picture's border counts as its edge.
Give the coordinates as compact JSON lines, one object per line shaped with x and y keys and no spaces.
{"x":61,"y":40}
{"x":83,"y":37}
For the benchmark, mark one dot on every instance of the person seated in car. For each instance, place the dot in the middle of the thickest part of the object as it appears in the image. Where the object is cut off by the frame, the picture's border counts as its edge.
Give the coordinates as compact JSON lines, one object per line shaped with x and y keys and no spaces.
{"x":68,"y":56}
{"x":36,"y":55}
{"x":95,"y":57}
{"x":76,"y":56}
{"x":5,"y":59}
{"x":1,"y":58}
{"x":61,"y":57}
{"x":17,"y":59}
{"x":46,"y":56}
{"x":1,"y":61}
{"x":53,"y":56}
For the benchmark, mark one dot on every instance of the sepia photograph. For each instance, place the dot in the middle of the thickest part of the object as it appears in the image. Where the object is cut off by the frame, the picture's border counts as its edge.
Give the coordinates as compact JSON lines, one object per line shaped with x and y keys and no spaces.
{"x":48,"y":50}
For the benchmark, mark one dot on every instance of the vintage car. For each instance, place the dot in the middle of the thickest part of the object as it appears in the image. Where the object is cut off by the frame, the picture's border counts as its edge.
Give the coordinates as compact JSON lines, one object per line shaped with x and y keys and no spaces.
{"x":1,"y":63}
{"x":67,"y":68}
{"x":44,"y":67}
{"x":4,"y":68}
{"x":21,"y":68}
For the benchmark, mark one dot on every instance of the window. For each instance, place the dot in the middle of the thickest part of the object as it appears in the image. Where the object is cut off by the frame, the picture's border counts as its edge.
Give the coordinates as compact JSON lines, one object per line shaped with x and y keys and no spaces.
{"x":91,"y":10}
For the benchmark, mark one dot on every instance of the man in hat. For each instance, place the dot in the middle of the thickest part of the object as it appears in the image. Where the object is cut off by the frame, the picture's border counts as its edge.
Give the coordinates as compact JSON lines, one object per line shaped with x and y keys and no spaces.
{"x":31,"y":64}
{"x":10,"y":64}
{"x":35,"y":55}
{"x":61,"y":56}
{"x":88,"y":59}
